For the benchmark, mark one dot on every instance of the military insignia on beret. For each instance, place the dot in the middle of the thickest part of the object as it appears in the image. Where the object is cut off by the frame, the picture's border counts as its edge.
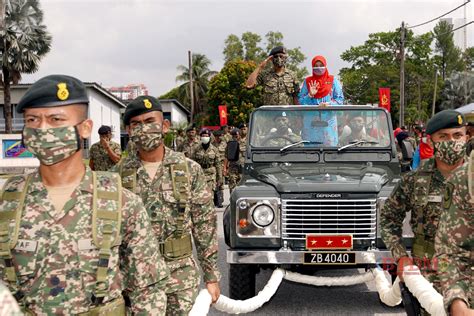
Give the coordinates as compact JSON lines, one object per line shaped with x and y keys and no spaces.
{"x":62,"y":93}
{"x":147,"y":103}
{"x":448,"y":195}
{"x":459,"y":119}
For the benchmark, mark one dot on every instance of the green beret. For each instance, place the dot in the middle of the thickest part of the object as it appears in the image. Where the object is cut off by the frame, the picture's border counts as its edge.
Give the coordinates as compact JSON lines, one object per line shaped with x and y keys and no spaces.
{"x":445,"y":119}
{"x":140,"y":105}
{"x":54,"y":90}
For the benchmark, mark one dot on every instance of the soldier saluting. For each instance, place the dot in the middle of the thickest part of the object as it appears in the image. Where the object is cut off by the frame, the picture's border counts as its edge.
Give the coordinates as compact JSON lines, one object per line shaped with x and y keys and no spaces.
{"x":72,"y":240}
{"x":421,"y":192}
{"x":178,"y":200}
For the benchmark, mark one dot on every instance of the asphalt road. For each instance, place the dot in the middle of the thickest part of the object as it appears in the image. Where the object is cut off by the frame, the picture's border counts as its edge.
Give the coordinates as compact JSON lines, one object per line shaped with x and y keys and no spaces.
{"x":298,"y":299}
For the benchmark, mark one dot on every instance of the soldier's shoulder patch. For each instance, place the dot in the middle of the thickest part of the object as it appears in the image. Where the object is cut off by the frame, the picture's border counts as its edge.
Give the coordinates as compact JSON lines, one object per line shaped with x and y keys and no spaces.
{"x":448,"y":195}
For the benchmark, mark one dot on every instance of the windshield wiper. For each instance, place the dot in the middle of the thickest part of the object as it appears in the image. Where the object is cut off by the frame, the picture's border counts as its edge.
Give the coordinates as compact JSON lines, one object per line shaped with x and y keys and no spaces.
{"x":355,"y":143}
{"x":299,"y":143}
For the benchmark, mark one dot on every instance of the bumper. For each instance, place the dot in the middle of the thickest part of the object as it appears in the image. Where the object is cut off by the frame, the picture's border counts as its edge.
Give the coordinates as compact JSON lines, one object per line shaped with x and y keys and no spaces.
{"x":296,"y":257}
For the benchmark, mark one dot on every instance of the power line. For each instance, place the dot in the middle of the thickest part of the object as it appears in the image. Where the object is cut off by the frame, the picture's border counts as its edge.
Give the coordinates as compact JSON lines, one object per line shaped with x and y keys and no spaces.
{"x":437,"y":18}
{"x":460,"y":27}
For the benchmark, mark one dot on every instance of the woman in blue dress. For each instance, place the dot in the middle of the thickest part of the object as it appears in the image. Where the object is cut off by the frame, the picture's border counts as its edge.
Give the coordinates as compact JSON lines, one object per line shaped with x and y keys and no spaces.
{"x":321,"y":89}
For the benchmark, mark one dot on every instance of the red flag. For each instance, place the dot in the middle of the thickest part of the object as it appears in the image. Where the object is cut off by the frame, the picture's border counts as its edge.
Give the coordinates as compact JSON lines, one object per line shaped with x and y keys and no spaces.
{"x":223,"y":114}
{"x":329,"y":242}
{"x":384,"y":98}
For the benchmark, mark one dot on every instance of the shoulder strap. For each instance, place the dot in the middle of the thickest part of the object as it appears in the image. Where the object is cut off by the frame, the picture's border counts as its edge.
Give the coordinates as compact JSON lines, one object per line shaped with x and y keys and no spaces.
{"x":128,"y":176}
{"x":105,"y":223}
{"x":470,"y":176}
{"x":180,"y":179}
{"x":9,"y":238}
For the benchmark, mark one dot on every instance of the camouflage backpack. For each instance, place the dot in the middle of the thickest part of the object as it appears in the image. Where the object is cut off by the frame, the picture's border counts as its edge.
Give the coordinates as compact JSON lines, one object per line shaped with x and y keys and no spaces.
{"x":106,"y":225}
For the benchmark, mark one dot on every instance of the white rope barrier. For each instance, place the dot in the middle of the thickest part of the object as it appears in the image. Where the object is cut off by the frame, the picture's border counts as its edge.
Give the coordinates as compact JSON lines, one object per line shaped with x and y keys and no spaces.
{"x":428,"y":297}
{"x":389,"y":294}
{"x":329,"y":281}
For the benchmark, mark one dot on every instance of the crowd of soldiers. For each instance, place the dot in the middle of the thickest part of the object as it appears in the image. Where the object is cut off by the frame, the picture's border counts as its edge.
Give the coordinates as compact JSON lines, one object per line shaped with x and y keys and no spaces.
{"x":77,"y":240}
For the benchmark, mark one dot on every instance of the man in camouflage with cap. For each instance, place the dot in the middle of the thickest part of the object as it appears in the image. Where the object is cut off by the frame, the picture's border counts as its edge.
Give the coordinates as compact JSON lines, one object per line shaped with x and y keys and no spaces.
{"x":235,"y":158}
{"x":421,"y":193}
{"x":280,"y":86}
{"x":454,"y":241}
{"x":208,"y":157}
{"x":179,"y":202}
{"x":104,"y":154}
{"x":72,"y":240}
{"x":221,"y":145}
{"x":191,"y":143}
{"x":281,"y":134}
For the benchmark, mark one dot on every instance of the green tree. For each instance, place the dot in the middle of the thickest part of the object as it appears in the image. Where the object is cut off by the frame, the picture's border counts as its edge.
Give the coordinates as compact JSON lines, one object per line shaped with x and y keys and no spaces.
{"x":376,"y":64}
{"x":227,"y":87}
{"x":233,"y":48}
{"x":24,"y":42}
{"x":448,"y":55}
{"x":273,"y":39}
{"x":201,"y":76}
{"x":175,"y":94}
{"x":252,"y":50}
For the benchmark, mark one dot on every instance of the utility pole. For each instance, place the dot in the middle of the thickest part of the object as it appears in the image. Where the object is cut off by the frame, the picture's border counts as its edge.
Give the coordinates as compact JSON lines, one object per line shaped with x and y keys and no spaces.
{"x":402,"y":75}
{"x":434,"y":94}
{"x":191,"y":85}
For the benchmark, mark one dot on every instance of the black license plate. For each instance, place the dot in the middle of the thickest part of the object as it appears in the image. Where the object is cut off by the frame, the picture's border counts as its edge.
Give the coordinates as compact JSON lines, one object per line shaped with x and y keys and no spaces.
{"x":334,"y":258}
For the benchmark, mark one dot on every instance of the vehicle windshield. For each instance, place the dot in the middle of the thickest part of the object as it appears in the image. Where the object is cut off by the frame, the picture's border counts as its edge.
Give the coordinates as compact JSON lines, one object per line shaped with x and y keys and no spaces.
{"x":329,"y":127}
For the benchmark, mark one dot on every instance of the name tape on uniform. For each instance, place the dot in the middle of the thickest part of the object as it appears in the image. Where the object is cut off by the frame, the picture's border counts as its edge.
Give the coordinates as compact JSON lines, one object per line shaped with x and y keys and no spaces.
{"x":435,"y":198}
{"x":26,"y":245}
{"x":86,"y":244}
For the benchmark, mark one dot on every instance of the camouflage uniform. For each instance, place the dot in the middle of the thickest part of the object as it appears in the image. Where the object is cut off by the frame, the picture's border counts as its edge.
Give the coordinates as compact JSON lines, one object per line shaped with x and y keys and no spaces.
{"x":210,"y":162}
{"x":189,"y":148}
{"x":236,"y":167}
{"x":200,"y":220}
{"x":276,"y":140}
{"x":179,"y":142}
{"x":56,"y":259}
{"x":100,"y":157}
{"x":227,"y":137}
{"x":8,"y":304}
{"x":278,"y":89}
{"x":455,"y":237}
{"x":419,"y":192}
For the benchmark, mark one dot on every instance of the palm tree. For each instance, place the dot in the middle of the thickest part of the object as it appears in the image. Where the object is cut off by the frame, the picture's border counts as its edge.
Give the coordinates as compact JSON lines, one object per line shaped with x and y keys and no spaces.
{"x":25,"y":41}
{"x":201,"y":77}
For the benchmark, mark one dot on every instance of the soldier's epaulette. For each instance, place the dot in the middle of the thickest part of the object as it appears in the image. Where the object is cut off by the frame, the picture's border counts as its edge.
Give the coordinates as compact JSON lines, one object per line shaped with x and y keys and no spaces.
{"x":11,"y":183}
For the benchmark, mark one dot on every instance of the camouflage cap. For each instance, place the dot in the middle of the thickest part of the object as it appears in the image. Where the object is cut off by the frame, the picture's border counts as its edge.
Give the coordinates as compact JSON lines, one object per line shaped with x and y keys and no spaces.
{"x":142,"y":104}
{"x":445,"y":119}
{"x":54,"y":90}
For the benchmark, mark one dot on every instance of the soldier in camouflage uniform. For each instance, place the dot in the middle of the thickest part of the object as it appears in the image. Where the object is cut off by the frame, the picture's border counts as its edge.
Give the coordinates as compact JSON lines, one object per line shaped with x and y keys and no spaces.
{"x":208,"y":157}
{"x":281,"y":135}
{"x":191,"y":143}
{"x":179,"y":202}
{"x":234,"y":168}
{"x":221,"y":145}
{"x":280,"y":86}
{"x":420,"y":192}
{"x":104,"y":154}
{"x":226,"y":133}
{"x":8,"y":304}
{"x":179,"y":140}
{"x":72,"y":240}
{"x":454,"y":242}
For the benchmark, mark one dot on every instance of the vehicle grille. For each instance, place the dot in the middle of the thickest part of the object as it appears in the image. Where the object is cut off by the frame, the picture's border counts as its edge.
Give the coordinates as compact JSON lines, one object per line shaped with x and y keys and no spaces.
{"x":352,"y":216}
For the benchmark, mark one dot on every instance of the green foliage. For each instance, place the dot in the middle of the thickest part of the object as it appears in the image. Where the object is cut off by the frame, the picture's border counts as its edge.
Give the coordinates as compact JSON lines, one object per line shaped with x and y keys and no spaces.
{"x":23,"y":43}
{"x":201,"y":76}
{"x":177,"y":94}
{"x":376,"y":64}
{"x":448,"y":56}
{"x":252,"y":51}
{"x":234,"y":49}
{"x":227,"y":88}
{"x":274,"y":39}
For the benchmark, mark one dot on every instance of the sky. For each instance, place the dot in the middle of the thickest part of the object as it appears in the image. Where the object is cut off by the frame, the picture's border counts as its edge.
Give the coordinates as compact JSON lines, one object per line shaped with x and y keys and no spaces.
{"x":119,"y":42}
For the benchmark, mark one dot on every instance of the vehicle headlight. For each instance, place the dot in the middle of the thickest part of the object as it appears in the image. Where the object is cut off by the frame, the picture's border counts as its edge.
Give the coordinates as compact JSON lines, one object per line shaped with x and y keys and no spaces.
{"x":263,"y":215}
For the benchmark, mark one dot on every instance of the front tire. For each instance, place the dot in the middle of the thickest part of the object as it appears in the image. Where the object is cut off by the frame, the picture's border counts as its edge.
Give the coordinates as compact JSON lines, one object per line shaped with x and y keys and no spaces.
{"x":242,"y":281}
